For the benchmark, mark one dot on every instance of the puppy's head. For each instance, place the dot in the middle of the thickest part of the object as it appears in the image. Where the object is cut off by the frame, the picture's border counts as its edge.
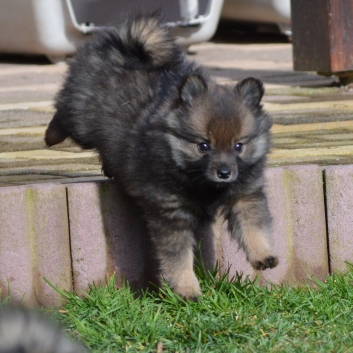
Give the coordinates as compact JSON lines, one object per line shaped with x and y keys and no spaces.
{"x":220,"y":130}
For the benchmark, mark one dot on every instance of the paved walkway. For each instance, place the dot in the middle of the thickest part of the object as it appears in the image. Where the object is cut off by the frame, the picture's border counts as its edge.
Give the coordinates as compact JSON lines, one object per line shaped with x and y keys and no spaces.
{"x":313,"y":117}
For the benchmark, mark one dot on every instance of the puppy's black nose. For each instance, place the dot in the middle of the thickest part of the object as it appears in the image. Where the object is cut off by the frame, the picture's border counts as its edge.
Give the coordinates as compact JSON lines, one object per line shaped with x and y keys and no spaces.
{"x":223,"y":172}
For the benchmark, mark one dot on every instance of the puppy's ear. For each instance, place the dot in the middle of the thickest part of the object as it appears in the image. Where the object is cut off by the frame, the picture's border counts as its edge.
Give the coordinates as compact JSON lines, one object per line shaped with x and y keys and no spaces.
{"x":250,"y":90}
{"x":193,"y":87}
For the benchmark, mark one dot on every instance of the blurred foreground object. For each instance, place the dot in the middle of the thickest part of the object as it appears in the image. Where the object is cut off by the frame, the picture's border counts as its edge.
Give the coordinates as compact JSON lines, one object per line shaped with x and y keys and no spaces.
{"x":24,"y":332}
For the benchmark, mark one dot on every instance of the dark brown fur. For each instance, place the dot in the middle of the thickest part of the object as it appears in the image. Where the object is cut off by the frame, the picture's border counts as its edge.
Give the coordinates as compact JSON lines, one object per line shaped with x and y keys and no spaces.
{"x":182,"y":146}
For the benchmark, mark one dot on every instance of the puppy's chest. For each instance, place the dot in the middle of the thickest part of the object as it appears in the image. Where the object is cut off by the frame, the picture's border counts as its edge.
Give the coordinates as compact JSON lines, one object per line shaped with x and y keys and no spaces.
{"x":206,"y":201}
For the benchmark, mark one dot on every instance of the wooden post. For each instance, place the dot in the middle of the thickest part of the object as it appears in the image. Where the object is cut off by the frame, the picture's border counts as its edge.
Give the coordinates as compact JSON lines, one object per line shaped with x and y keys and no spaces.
{"x":323,"y":37}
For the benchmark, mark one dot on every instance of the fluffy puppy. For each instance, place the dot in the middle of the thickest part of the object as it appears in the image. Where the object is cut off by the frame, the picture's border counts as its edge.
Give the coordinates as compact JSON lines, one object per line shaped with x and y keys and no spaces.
{"x":182,"y":146}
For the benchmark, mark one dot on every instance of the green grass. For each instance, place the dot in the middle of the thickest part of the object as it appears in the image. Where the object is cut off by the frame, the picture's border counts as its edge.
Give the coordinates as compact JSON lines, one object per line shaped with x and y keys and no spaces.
{"x":235,"y":316}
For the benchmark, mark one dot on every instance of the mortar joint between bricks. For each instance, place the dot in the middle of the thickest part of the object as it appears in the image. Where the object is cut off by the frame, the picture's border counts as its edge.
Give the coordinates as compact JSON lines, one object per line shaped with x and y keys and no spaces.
{"x":324,"y":185}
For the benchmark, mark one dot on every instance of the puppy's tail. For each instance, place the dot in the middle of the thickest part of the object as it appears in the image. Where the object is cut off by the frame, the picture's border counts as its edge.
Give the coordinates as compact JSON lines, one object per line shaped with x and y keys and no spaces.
{"x":143,"y":42}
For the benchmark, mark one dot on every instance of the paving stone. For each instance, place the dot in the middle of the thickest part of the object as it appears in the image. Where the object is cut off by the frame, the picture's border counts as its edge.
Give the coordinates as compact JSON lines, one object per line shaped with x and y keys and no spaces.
{"x":315,"y":143}
{"x":284,"y":99}
{"x":64,"y":179}
{"x":106,"y":235}
{"x":26,"y":179}
{"x":278,"y":154}
{"x":16,"y":275}
{"x":49,"y":218}
{"x":43,"y":108}
{"x":226,"y":61}
{"x":309,"y":135}
{"x":296,"y":203}
{"x":30,"y":88}
{"x":45,"y":154}
{"x":328,"y":126}
{"x":20,"y":96}
{"x":31,"y":76}
{"x":32,"y":130}
{"x":69,"y":170}
{"x":312,"y":92}
{"x":284,"y":140}
{"x":318,"y":160}
{"x":293,"y":118}
{"x":303,"y":80}
{"x":47,"y":104}
{"x":325,"y":105}
{"x":36,"y":178}
{"x":18,"y":143}
{"x":339,"y":137}
{"x":273,"y":63}
{"x":339,"y":203}
{"x":34,"y":243}
{"x":23,"y":118}
{"x":60,"y":164}
{"x":206,"y":53}
{"x":25,"y":68}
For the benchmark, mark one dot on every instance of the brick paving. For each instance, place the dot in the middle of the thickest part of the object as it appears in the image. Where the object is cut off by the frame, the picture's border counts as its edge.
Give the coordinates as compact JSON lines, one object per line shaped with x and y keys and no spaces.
{"x":313,"y":117}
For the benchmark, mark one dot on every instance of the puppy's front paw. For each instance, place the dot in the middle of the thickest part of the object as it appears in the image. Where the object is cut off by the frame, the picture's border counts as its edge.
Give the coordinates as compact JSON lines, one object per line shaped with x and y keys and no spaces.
{"x":268,"y":262}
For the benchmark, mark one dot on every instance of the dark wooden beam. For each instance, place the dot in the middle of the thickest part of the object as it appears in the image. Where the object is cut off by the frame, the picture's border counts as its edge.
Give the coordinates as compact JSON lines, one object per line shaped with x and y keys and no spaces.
{"x":323,"y":36}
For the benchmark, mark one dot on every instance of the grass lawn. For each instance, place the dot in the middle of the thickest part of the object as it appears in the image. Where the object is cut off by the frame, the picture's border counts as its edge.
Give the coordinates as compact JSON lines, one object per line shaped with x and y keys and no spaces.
{"x":235,"y":316}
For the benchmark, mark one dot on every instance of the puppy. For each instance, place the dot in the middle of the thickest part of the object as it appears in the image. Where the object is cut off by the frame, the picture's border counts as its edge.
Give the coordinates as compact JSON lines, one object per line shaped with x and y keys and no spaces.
{"x":182,"y":146}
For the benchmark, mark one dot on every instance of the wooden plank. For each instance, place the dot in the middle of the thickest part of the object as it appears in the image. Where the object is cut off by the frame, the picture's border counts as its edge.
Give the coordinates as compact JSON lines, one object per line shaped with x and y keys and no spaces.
{"x":323,"y":36}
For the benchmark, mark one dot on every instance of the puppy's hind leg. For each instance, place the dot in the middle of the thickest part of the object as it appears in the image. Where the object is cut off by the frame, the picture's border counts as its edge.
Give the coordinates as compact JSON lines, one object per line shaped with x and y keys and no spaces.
{"x":55,"y":133}
{"x":174,"y":250}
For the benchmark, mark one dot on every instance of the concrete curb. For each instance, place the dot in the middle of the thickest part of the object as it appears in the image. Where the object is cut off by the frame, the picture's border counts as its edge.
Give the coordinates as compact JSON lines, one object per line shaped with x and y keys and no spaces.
{"x":34,"y":243}
{"x":296,"y":200}
{"x":339,"y":203}
{"x":106,"y":235}
{"x":81,"y":233}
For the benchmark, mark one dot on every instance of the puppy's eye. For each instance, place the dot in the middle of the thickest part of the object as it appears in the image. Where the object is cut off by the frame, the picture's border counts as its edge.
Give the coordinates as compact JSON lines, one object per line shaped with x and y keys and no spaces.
{"x":204,"y":147}
{"x":239,"y":147}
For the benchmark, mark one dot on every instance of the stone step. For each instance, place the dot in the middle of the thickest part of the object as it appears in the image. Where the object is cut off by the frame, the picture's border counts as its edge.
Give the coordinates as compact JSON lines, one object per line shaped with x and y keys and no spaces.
{"x":81,"y":233}
{"x":34,"y":243}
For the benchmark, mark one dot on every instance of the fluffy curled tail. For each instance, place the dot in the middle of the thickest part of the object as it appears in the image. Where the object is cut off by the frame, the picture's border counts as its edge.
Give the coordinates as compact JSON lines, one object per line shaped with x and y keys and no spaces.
{"x":143,"y":42}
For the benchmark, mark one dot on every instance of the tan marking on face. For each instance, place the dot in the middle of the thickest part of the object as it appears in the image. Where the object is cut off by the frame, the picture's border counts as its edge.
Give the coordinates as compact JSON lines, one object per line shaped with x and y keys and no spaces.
{"x":198,"y":121}
{"x":182,"y":151}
